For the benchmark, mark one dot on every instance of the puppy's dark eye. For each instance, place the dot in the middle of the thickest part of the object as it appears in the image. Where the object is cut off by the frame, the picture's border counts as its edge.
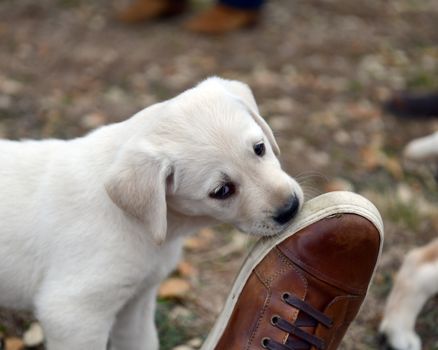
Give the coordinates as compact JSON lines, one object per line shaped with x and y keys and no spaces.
{"x":259,"y":149}
{"x":223,"y":191}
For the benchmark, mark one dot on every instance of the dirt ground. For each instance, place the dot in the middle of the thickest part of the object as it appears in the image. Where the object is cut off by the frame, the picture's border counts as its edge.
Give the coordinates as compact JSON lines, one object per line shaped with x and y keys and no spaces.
{"x":320,"y":70}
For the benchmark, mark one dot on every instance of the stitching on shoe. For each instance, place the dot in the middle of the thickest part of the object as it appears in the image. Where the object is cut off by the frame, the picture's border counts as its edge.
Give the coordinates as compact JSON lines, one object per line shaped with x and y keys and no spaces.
{"x":289,"y":265}
{"x":285,"y":259}
{"x":303,"y":279}
{"x":262,"y":281}
{"x":265,"y":306}
{"x":267,"y":282}
{"x":319,"y":275}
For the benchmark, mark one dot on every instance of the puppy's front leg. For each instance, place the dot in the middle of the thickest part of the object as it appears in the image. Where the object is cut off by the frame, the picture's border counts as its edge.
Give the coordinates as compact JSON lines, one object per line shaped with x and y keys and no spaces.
{"x":78,"y":311}
{"x":134,"y":328}
{"x":72,"y":324}
{"x":416,"y":281}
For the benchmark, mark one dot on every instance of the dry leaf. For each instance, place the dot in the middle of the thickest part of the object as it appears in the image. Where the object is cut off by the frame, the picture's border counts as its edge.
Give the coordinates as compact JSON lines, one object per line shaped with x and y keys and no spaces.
{"x":338,"y":184}
{"x":187,"y":270}
{"x":174,"y":288}
{"x":393,"y":166}
{"x":194,"y":243}
{"x":371,"y":158}
{"x":207,"y":234}
{"x":14,"y":344}
{"x":200,"y":241}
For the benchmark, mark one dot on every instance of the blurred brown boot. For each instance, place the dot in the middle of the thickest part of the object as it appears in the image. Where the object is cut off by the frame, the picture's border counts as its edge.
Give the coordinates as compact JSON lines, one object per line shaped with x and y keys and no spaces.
{"x":222,"y":19}
{"x":143,"y":10}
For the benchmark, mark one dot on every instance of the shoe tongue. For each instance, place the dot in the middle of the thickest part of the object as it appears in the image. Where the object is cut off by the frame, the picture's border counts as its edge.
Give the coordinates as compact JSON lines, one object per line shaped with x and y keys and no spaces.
{"x":306,"y":324}
{"x":318,"y":297}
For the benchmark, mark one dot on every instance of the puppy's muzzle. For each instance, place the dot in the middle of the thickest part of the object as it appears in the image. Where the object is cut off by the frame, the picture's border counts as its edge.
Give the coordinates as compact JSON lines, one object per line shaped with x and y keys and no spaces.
{"x":288,"y":211}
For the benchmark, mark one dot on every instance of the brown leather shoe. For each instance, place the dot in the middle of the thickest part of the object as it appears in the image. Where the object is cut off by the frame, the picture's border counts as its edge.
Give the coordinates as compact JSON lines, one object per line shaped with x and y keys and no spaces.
{"x":221,"y":19}
{"x":143,"y":10}
{"x":301,"y":290}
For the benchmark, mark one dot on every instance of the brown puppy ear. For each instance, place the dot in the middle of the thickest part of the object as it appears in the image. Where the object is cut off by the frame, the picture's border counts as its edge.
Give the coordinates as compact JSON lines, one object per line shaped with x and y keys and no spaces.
{"x":136,"y":183}
{"x":244,"y":93}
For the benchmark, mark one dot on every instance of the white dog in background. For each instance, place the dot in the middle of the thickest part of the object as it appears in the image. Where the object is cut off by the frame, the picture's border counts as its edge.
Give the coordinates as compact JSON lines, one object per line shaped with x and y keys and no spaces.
{"x":417,"y":279}
{"x":89,"y":227}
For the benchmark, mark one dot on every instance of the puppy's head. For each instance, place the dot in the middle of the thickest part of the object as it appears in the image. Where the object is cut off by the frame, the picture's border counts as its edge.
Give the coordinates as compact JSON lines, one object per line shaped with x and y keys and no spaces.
{"x":208,"y":153}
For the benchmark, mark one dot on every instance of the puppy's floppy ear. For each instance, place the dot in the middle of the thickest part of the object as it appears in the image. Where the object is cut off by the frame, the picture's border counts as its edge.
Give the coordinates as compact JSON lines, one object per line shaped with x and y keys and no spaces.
{"x":244,"y":93}
{"x":267,"y":130}
{"x":136,"y":183}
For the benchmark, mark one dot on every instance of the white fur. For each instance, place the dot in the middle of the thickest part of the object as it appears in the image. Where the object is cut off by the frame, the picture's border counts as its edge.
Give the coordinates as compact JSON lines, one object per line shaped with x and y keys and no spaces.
{"x":424,"y":148}
{"x":416,"y":282}
{"x":90,"y":226}
{"x":417,"y":279}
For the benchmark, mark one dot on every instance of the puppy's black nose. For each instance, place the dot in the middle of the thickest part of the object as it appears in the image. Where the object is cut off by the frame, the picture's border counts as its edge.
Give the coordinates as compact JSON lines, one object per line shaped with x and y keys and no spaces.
{"x":286,"y":213}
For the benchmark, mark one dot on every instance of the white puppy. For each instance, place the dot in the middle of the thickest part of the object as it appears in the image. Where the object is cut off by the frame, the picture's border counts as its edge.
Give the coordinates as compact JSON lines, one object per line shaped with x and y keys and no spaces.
{"x":89,"y":227}
{"x":417,"y":279}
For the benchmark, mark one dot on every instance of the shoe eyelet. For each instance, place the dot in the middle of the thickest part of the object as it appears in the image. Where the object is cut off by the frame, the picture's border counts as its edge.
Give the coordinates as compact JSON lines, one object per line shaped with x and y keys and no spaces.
{"x":274,"y":320}
{"x":285,"y":296}
{"x":264,"y":342}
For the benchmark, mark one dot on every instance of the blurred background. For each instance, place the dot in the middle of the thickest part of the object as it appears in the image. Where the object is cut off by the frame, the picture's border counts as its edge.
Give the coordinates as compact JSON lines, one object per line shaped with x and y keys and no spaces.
{"x":320,"y":70}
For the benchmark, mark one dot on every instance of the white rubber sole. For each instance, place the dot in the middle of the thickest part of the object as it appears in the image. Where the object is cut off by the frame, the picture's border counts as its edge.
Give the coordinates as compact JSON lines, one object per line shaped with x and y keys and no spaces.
{"x":323,"y":206}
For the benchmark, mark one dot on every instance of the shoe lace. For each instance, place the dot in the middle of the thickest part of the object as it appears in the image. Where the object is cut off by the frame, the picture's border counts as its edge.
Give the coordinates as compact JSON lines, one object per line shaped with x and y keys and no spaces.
{"x":303,"y":339}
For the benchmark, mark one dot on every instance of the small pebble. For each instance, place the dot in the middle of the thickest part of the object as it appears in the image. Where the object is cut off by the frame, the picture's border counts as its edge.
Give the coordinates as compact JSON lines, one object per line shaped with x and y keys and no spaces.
{"x":34,"y":335}
{"x":195,"y":342}
{"x":183,"y":347}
